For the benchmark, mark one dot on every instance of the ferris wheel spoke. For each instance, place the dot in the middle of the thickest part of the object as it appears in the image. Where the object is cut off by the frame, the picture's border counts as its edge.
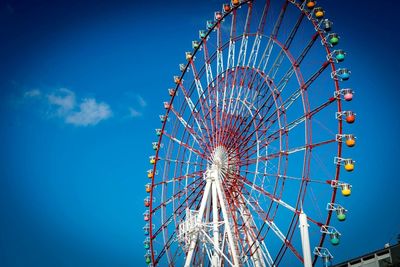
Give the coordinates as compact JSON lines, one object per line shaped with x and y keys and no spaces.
{"x":177,"y":211}
{"x":276,"y":65}
{"x":220,"y":75}
{"x":259,"y":189}
{"x":251,"y":87}
{"x":291,"y":125}
{"x":249,"y":229}
{"x":196,"y":77}
{"x":271,"y":224}
{"x":267,"y":52}
{"x":180,"y":178}
{"x":240,"y":85}
{"x":291,"y":99}
{"x":305,"y":51}
{"x":239,"y":76}
{"x":247,"y":126}
{"x":231,"y":133}
{"x":284,"y":48}
{"x":284,"y":152}
{"x":242,"y":50}
{"x":193,"y":185}
{"x":295,"y":28}
{"x":168,"y":240}
{"x":254,"y":51}
{"x":284,"y":52}
{"x":271,"y":120}
{"x":181,"y":143}
{"x":266,"y":55}
{"x":308,"y":146}
{"x":188,"y":127}
{"x":264,"y":109}
{"x":220,"y":58}
{"x":210,"y":85}
{"x":316,"y":75}
{"x":272,"y":197}
{"x":167,"y":243}
{"x":257,"y":249}
{"x":246,"y":29}
{"x":224,"y":95}
{"x":252,"y":147}
{"x":256,"y":86}
{"x":209,"y":73}
{"x":285,"y":177}
{"x":185,"y":155}
{"x":297,"y":93}
{"x":289,"y":73}
{"x":278,"y":233}
{"x":232,"y":90}
{"x":231,"y":50}
{"x":243,"y":45}
{"x":227,"y":76}
{"x":257,"y":41}
{"x":192,"y":108}
{"x":240,"y":118}
{"x":191,"y":199}
{"x":181,"y":161}
{"x":278,"y":60}
{"x":204,"y":106}
{"x":261,"y":25}
{"x":278,"y":22}
{"x":283,"y":238}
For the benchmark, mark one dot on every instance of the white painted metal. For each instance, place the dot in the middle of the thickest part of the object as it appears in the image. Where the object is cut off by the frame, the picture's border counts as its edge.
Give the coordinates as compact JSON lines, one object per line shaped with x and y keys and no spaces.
{"x":194,"y":235}
{"x":254,"y":51}
{"x":305,"y":239}
{"x":215,"y":257}
{"x":231,"y":54}
{"x":266,"y":55}
{"x":243,"y":51}
{"x":228,"y":227}
{"x":255,"y":249}
{"x":191,"y":229}
{"x":199,"y":87}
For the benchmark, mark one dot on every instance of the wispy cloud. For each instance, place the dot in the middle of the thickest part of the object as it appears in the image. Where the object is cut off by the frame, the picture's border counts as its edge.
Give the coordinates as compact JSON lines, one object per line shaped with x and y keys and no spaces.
{"x":141,"y":101}
{"x":90,"y":113}
{"x":137,"y":110}
{"x":63,"y":100}
{"x":134,"y":113}
{"x":32,"y":93}
{"x":63,"y":103}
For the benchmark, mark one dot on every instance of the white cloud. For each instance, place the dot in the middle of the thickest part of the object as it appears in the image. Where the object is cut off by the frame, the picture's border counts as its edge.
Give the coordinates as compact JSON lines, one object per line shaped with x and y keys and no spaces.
{"x":141,"y":101}
{"x":137,"y":111}
{"x":32,"y":93}
{"x":134,"y":113}
{"x":62,"y":103}
{"x":90,"y":113}
{"x":63,"y":99}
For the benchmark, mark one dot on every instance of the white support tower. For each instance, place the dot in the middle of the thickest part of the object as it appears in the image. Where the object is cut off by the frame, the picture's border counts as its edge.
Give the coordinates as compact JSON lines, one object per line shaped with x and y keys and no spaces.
{"x":211,"y":228}
{"x":215,"y":231}
{"x":305,"y":239}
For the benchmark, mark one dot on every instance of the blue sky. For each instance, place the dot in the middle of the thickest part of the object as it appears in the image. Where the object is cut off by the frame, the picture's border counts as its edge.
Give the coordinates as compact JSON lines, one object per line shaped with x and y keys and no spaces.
{"x":81,"y":87}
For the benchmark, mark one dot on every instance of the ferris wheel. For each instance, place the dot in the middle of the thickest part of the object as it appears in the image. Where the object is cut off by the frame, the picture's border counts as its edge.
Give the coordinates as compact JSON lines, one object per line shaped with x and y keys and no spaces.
{"x":252,"y":143}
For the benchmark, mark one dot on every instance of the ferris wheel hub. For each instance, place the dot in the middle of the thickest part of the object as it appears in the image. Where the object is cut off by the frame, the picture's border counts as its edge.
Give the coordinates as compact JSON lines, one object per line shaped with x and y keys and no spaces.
{"x":219,"y":160}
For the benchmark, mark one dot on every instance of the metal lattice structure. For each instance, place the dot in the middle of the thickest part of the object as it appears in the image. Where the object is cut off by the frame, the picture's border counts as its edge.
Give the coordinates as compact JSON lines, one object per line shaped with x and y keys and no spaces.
{"x":252,"y":142}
